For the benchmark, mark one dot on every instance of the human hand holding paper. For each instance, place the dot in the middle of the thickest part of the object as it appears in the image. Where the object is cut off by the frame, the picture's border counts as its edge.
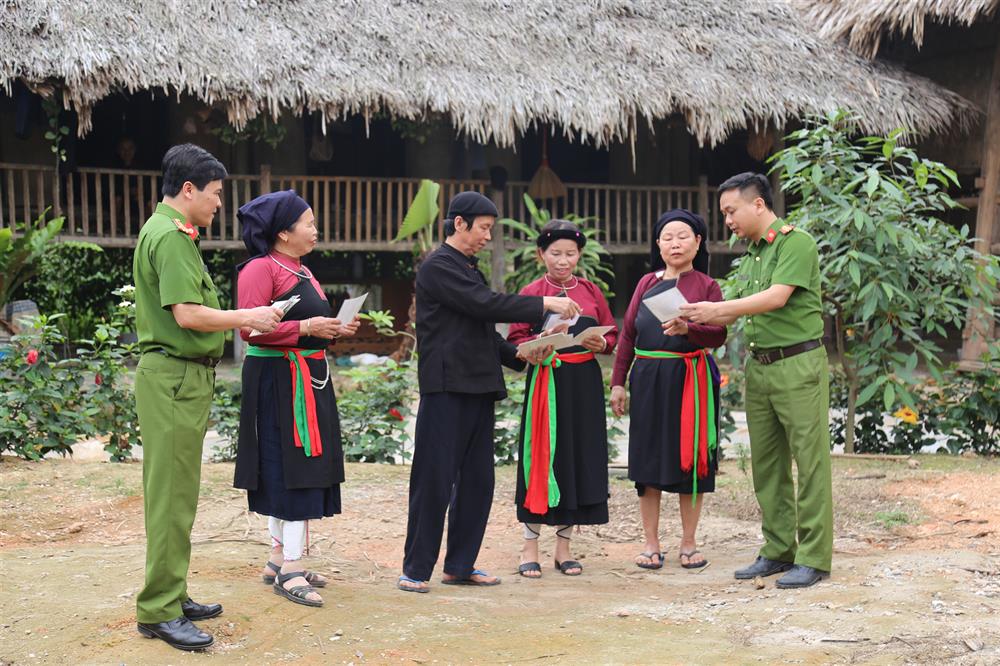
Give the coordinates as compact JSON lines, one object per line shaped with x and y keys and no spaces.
{"x":283,"y":306}
{"x":667,"y":304}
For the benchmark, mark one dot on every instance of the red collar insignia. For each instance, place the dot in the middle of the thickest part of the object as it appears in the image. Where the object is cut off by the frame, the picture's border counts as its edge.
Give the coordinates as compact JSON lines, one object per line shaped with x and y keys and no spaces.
{"x":186,"y":228}
{"x":771,"y":235}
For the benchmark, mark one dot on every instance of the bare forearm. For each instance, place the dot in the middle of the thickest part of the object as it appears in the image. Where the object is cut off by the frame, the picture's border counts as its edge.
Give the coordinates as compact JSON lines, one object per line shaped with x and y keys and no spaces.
{"x":208,"y":320}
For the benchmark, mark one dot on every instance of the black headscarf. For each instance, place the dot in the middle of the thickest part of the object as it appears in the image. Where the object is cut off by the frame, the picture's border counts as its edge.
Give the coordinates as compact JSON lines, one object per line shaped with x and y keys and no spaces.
{"x":560,"y":230}
{"x":697,"y":225}
{"x":265,"y":217}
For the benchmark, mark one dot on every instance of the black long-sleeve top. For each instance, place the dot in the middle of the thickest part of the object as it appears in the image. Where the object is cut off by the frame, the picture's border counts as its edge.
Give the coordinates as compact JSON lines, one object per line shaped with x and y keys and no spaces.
{"x":458,"y":346}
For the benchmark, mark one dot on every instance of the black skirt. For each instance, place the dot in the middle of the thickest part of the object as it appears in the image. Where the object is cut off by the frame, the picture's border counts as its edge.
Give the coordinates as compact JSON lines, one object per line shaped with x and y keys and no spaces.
{"x":656,"y":388}
{"x":281,"y":481}
{"x":581,"y":458}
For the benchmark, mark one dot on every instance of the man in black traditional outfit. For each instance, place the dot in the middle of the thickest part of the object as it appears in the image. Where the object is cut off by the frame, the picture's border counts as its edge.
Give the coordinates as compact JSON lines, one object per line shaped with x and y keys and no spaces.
{"x":460,"y":380}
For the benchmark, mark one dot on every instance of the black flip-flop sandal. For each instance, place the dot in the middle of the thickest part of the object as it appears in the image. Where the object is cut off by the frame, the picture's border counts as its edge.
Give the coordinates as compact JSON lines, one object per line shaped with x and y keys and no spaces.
{"x":296,"y":594}
{"x":689,"y":555}
{"x":566,"y":565}
{"x":311,"y":577}
{"x":643,"y":565}
{"x":530,"y":566}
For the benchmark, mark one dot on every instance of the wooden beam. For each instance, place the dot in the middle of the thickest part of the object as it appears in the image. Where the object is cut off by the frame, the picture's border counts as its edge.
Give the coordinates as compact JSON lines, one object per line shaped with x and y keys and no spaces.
{"x":980,"y":327}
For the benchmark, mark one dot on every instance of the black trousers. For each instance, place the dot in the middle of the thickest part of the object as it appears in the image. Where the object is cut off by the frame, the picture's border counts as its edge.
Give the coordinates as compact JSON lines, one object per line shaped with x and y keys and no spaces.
{"x":452,"y":471}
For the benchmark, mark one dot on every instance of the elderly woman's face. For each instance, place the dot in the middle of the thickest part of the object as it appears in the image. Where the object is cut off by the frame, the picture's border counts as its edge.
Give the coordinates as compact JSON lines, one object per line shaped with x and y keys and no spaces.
{"x":678,"y":244}
{"x":560,"y":259}
{"x":299,"y":239}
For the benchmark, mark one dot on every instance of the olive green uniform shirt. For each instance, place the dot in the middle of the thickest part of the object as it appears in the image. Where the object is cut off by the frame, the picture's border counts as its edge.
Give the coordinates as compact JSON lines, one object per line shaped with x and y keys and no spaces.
{"x":168,"y":269}
{"x":784,"y":255}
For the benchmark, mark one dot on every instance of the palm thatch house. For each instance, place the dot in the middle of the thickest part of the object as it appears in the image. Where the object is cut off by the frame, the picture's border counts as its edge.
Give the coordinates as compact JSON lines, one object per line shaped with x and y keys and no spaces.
{"x":957,"y":44}
{"x":645,"y":104}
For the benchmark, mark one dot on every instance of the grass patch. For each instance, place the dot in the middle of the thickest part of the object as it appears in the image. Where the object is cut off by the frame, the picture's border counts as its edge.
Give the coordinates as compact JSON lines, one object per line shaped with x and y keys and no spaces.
{"x":891,"y":519}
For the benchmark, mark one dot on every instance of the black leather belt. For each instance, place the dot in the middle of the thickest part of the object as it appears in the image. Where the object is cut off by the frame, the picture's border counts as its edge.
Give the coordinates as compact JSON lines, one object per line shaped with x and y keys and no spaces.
{"x":766,"y":357}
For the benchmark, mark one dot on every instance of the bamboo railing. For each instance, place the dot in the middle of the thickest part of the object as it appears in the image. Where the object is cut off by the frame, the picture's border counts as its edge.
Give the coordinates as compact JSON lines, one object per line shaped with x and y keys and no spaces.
{"x":109,"y":206}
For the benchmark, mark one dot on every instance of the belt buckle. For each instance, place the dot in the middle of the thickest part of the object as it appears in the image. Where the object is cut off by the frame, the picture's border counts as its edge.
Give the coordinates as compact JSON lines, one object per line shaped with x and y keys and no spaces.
{"x":764,"y":358}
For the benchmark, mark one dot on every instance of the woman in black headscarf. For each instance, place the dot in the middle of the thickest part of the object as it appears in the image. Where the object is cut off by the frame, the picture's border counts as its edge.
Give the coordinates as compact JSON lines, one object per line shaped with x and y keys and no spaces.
{"x":674,"y":386}
{"x":289,"y":456}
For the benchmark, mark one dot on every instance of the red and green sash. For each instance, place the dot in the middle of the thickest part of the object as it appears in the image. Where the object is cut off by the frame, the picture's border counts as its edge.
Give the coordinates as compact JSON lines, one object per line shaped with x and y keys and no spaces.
{"x":539,"y":449}
{"x":698,"y":437}
{"x":306,"y":428}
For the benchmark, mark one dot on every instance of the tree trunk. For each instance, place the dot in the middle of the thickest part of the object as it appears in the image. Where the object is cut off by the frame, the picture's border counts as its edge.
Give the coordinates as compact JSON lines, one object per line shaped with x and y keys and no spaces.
{"x":407,"y":345}
{"x":852,"y":399}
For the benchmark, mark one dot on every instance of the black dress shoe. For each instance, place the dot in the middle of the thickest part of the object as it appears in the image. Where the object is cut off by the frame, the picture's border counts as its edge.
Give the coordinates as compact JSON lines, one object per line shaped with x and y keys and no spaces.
{"x":762,"y":567}
{"x":179,"y":633}
{"x":195,"y":611}
{"x":800,"y":576}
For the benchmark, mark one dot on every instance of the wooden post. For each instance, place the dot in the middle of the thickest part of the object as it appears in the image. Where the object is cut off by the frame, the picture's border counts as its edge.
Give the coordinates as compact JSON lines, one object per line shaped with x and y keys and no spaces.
{"x":979,"y":329}
{"x":778,"y":194}
{"x":703,"y":198}
{"x":498,"y":263}
{"x":265,"y":178}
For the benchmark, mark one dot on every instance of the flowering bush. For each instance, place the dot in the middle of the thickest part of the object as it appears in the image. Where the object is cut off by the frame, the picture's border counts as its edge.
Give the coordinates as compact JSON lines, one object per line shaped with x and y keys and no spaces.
{"x":48,"y":402}
{"x":44,"y":405}
{"x":373,"y":412}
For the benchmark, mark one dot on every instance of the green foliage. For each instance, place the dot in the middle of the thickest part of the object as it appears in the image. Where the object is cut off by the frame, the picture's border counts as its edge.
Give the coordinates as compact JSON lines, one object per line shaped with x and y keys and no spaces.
{"x":260,"y":128}
{"x":224,"y":418}
{"x":731,"y":398}
{"x":507,"y":428}
{"x":962,"y":408}
{"x":890,"y":519}
{"x":221,"y":265}
{"x":19,"y":255}
{"x":421,"y":216}
{"x":893,"y":273}
{"x":84,"y":298}
{"x":525,"y":259}
{"x":107,"y":355}
{"x":48,"y":402}
{"x":57,"y":132}
{"x":373,"y":412}
{"x":44,"y":401}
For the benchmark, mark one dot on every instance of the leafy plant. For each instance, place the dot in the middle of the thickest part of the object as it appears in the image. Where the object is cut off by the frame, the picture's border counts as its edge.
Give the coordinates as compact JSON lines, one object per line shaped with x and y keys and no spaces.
{"x":224,"y":417}
{"x":112,"y":399}
{"x":257,"y":129}
{"x":525,"y":260}
{"x":19,"y":255}
{"x":373,"y":412}
{"x":84,"y":301}
{"x":44,"y":404}
{"x":892,"y":272}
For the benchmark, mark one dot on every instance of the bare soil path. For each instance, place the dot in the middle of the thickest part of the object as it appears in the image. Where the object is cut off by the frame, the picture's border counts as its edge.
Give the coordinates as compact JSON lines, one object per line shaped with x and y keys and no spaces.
{"x":916,"y":577}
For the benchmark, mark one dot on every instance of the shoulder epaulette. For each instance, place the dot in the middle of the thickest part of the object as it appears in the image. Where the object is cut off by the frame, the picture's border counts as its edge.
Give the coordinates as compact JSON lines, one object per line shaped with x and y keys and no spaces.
{"x":186,"y":228}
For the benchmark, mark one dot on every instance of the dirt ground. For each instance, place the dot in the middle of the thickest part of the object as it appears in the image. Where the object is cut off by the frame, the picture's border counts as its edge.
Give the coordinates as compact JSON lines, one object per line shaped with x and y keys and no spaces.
{"x":916,"y":577}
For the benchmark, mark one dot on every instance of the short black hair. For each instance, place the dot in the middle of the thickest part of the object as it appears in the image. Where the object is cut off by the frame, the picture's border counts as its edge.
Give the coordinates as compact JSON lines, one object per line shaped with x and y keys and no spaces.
{"x":188,"y":162}
{"x":747,"y":180}
{"x":449,"y":223}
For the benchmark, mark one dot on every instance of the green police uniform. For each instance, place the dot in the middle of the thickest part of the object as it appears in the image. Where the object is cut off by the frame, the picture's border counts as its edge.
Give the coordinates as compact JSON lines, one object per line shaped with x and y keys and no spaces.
{"x":788,"y":401}
{"x":172,"y":396}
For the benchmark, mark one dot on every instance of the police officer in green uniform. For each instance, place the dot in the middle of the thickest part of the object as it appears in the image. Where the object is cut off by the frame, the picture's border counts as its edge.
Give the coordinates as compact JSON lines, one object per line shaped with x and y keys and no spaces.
{"x":787,"y":382}
{"x":180,"y":329}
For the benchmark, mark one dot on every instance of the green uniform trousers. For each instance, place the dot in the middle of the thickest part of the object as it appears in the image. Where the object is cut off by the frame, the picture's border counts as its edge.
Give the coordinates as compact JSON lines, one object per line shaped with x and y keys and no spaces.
{"x":172,"y":398}
{"x":788,"y":412}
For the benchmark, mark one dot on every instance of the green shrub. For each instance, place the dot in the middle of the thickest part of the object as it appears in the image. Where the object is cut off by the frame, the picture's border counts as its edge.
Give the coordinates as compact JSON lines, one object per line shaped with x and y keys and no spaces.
{"x":373,"y":412}
{"x":224,"y":418}
{"x":44,"y":401}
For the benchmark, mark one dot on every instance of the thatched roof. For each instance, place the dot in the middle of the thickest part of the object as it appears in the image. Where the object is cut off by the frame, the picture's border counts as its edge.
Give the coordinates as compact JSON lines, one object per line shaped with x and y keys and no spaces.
{"x":864,"y":22}
{"x":497,"y":67}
